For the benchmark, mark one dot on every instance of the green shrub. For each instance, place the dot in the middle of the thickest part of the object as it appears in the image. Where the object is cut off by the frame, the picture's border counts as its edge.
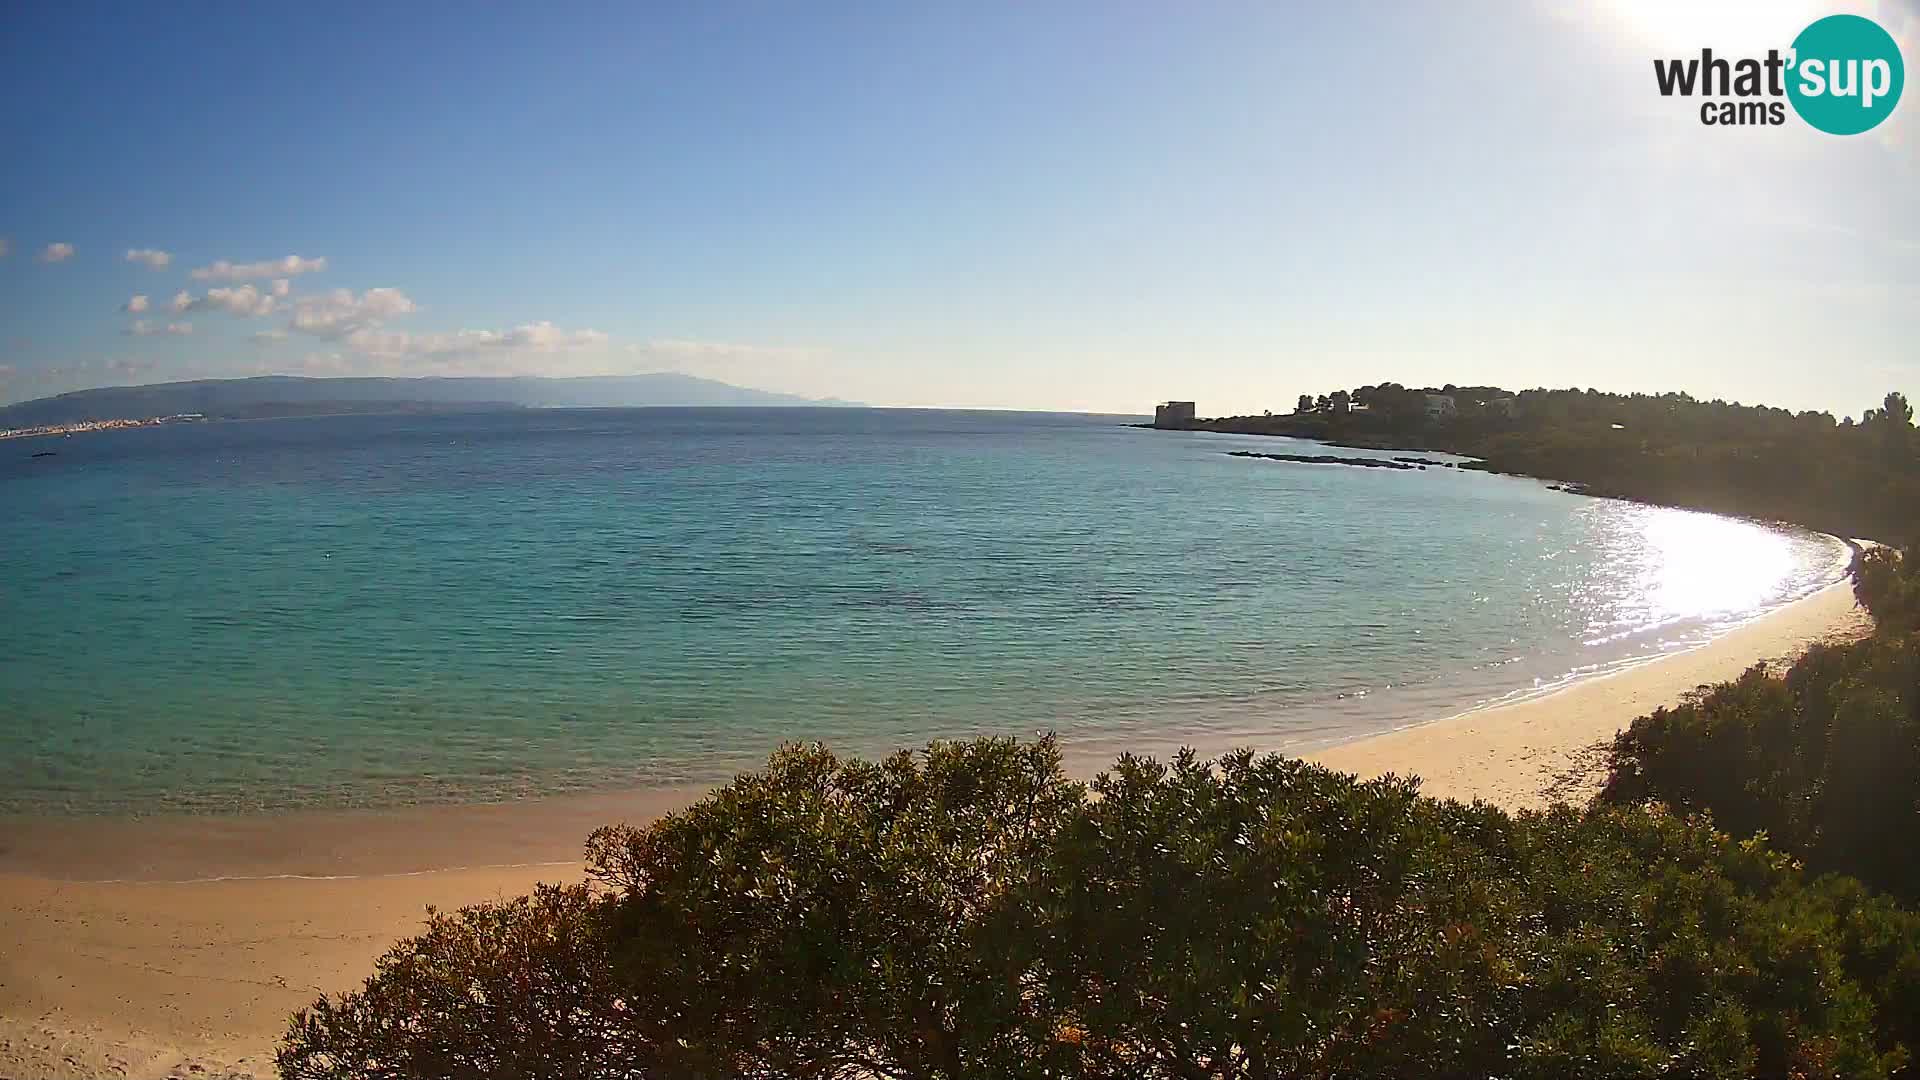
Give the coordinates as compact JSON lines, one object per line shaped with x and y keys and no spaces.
{"x":520,"y":989}
{"x":1823,"y":759}
{"x":829,"y":916}
{"x":970,"y":912}
{"x":1887,"y":583}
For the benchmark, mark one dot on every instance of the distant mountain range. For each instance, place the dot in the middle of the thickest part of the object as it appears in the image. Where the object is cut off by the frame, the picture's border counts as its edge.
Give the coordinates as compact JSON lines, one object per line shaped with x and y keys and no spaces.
{"x":283,"y":395}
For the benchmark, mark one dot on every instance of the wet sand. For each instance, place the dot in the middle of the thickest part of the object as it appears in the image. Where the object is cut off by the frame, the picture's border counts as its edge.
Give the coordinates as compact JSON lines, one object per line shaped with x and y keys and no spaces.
{"x":112,"y":964}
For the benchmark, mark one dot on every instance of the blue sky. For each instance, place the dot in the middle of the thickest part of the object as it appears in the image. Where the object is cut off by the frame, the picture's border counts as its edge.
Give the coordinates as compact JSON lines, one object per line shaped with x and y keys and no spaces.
{"x":1073,"y":206}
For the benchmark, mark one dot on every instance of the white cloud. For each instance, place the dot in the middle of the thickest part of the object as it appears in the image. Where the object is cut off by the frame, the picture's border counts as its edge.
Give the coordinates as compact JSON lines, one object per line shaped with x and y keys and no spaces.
{"x":243,"y":300}
{"x":339,"y":312}
{"x":356,"y":324}
{"x":136,"y":305}
{"x":271,"y":268}
{"x":720,"y":351}
{"x":154,"y":259}
{"x":143,"y":328}
{"x":55,"y":253}
{"x":541,"y":337}
{"x":374,"y":342}
{"x":325,"y":363}
{"x":545,"y":335}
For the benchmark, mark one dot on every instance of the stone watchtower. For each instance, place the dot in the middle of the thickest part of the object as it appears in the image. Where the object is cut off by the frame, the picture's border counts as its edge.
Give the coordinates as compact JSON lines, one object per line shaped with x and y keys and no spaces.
{"x":1173,"y":414}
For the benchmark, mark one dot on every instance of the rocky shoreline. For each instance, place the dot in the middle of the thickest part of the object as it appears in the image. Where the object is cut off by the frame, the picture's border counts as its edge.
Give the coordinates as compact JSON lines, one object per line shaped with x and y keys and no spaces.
{"x":1405,"y":464}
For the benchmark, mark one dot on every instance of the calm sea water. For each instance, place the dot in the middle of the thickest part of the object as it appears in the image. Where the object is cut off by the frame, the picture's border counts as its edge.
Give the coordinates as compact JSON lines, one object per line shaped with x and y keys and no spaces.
{"x":390,"y":610}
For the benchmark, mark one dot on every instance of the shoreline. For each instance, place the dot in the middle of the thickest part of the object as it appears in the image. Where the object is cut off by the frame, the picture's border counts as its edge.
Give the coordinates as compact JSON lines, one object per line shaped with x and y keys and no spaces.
{"x":317,"y":844}
{"x":1476,"y":462}
{"x":142,"y":976}
{"x":1529,"y":753}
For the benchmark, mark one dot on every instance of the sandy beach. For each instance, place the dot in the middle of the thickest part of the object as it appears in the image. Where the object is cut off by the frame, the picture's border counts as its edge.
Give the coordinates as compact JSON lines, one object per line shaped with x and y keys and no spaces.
{"x":1532,"y":753}
{"x":112,"y":965}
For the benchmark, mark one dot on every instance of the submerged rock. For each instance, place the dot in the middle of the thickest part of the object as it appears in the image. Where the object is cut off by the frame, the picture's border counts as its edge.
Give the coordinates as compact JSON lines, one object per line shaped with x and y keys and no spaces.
{"x":1329,"y":459}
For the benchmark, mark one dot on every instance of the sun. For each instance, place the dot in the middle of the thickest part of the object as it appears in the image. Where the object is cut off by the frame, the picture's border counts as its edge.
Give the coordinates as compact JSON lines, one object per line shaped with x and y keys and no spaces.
{"x":1726,"y":26}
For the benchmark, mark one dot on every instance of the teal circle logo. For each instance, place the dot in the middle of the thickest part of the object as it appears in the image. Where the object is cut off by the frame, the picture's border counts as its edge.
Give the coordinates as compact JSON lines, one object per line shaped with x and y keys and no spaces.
{"x":1846,"y":75}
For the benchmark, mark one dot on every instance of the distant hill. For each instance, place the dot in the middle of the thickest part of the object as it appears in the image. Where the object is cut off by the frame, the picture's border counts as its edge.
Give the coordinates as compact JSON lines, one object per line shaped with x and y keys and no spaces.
{"x":283,"y":395}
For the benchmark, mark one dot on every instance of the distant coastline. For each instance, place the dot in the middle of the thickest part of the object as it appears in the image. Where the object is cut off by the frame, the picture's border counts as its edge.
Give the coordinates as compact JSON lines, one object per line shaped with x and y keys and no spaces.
{"x":96,"y":425}
{"x":270,"y":396}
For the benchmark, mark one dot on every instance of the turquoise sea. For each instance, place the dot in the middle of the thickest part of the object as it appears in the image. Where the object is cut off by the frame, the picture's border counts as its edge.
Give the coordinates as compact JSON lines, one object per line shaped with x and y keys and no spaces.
{"x":375,"y":611}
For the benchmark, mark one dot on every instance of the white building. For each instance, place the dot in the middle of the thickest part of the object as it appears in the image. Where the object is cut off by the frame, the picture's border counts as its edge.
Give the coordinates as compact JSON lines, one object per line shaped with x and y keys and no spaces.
{"x":1441,"y":407}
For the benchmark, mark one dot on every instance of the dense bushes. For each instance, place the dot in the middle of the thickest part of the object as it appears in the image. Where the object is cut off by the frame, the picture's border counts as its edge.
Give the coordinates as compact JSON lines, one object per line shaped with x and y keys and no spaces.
{"x":970,"y":912}
{"x":829,"y":916}
{"x":1824,"y":759}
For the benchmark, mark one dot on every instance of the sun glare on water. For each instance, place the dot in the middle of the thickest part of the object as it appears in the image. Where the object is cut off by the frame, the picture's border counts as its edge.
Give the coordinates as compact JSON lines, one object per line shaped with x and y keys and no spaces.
{"x":1699,"y":566}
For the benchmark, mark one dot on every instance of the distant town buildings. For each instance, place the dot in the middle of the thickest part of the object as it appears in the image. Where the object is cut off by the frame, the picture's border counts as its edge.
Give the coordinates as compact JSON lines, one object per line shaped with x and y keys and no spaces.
{"x":1441,"y":407}
{"x":1173,"y":414}
{"x":96,"y":425}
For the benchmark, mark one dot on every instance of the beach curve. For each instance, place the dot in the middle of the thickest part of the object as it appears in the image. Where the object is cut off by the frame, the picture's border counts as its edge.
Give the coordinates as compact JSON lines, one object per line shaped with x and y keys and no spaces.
{"x":150,"y":978}
{"x":1530,"y":753}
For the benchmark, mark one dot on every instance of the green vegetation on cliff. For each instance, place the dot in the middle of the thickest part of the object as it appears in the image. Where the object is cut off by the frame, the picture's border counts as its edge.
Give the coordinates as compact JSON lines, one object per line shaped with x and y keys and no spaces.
{"x":1855,"y":479}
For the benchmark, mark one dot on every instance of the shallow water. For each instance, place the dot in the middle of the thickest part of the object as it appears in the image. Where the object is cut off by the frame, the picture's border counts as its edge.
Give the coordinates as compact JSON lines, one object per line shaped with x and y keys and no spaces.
{"x":375,"y":611}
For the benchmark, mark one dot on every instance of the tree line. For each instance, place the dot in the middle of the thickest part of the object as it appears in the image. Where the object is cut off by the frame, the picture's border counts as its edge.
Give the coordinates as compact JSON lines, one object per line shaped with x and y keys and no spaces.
{"x":1857,"y":479}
